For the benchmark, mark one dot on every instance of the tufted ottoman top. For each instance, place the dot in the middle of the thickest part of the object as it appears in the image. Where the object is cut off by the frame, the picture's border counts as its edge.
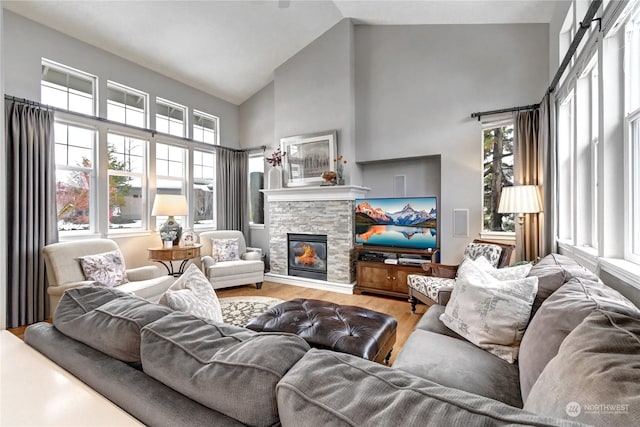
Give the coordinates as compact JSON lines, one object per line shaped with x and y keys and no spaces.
{"x":344,"y":328}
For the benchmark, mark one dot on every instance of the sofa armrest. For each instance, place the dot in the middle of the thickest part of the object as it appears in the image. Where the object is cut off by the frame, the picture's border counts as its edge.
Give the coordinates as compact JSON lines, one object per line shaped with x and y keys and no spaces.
{"x":207,"y":262}
{"x":143,"y":273}
{"x":443,"y":270}
{"x":252,"y":256}
{"x":444,"y":294}
{"x":59,"y":290}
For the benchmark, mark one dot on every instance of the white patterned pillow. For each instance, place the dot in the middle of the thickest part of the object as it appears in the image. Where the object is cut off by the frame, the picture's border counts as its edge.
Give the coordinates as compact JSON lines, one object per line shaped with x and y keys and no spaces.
{"x":106,"y":269}
{"x":506,"y":273}
{"x":224,"y":250}
{"x":490,"y":313}
{"x":489,"y":251}
{"x":192,"y":293}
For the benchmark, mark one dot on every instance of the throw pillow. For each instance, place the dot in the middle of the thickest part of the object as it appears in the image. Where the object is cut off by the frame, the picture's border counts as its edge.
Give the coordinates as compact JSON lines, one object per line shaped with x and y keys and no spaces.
{"x":106,"y":269}
{"x":506,"y":273}
{"x":490,"y":313}
{"x":487,"y":250}
{"x":192,"y":293}
{"x":224,"y":250}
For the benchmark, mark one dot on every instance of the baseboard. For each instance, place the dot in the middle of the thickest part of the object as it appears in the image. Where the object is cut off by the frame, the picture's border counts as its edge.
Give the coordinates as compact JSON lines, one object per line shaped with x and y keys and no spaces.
{"x":322,"y":285}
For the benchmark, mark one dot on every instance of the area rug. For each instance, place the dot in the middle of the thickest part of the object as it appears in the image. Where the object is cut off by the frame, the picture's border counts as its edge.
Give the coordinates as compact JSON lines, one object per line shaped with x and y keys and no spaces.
{"x":240,"y":310}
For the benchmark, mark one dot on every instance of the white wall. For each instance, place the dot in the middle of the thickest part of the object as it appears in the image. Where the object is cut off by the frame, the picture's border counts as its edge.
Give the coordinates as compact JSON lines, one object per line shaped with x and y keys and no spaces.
{"x":416,"y":87}
{"x":27,"y":42}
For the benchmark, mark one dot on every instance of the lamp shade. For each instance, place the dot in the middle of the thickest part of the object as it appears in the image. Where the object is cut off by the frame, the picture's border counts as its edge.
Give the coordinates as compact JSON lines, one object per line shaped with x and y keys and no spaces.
{"x":520,"y":199}
{"x":170,"y":205}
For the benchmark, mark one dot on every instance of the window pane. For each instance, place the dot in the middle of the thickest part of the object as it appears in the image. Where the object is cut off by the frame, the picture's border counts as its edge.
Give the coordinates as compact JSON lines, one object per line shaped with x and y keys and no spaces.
{"x":73,"y":199}
{"x":170,"y":117}
{"x":66,"y":88}
{"x":498,"y":173}
{"x":74,"y":145}
{"x":126,"y":105}
{"x":205,"y":127}
{"x":126,"y":153}
{"x":125,"y":201}
{"x":204,"y":189}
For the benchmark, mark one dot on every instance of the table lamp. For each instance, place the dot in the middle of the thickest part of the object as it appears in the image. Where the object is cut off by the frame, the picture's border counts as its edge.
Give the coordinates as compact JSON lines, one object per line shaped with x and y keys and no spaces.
{"x":170,"y":205}
{"x":520,"y":199}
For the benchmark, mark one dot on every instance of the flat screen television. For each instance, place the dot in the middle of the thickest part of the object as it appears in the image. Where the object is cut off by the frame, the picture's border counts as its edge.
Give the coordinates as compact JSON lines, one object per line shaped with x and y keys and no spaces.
{"x":406,"y":222}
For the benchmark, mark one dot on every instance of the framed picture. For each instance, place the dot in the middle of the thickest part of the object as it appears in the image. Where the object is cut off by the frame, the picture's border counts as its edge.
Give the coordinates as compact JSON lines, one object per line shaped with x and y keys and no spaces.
{"x":308,"y":156}
{"x":188,"y":238}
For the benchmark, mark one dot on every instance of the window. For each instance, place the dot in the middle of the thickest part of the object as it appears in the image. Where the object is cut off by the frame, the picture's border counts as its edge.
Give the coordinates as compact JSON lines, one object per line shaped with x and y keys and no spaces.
{"x":565,"y":156}
{"x":170,"y":117}
{"x":66,"y":88}
{"x":127,"y":183}
{"x":204,"y":189}
{"x":632,"y":122}
{"x":256,"y":183}
{"x":170,"y":173}
{"x":126,"y":105}
{"x":75,"y":177}
{"x":205,"y":128}
{"x":498,"y":173}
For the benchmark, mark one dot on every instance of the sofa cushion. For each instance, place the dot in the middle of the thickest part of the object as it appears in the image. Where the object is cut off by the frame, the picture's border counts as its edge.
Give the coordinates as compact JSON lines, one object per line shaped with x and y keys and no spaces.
{"x":224,"y":250}
{"x":333,"y":389}
{"x":106,"y":269}
{"x":192,"y":293}
{"x":106,"y":319}
{"x":595,"y":377}
{"x":226,"y":368}
{"x":430,"y":321}
{"x":457,"y":363}
{"x":490,"y":313}
{"x":565,"y":309}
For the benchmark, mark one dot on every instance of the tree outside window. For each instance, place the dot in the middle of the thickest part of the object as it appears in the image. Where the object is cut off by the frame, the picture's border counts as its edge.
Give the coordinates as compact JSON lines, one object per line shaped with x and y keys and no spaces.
{"x":498,"y":173}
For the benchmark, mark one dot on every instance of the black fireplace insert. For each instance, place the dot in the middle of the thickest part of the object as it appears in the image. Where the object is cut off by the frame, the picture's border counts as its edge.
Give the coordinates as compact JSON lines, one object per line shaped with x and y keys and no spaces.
{"x":307,"y":255}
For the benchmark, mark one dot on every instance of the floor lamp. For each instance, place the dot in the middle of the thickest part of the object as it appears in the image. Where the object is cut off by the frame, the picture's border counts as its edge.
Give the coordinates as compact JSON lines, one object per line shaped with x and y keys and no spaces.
{"x":520,"y":199}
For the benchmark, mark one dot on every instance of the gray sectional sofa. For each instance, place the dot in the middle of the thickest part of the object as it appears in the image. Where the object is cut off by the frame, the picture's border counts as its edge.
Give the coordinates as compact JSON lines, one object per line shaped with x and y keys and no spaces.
{"x":170,"y":368}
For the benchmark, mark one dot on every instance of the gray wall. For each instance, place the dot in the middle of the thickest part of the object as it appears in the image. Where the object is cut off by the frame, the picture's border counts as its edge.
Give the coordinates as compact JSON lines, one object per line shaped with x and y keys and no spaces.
{"x":3,"y":194}
{"x":406,"y":92}
{"x":422,"y":177}
{"x":27,"y":42}
{"x":416,"y":87}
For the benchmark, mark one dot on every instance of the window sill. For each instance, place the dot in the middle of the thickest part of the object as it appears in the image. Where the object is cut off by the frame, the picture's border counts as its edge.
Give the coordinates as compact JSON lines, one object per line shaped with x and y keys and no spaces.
{"x":625,"y":270}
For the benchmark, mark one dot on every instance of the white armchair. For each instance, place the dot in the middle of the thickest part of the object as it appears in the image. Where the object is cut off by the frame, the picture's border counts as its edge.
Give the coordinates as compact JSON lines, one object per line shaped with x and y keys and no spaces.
{"x":65,"y":272}
{"x":248,"y":269}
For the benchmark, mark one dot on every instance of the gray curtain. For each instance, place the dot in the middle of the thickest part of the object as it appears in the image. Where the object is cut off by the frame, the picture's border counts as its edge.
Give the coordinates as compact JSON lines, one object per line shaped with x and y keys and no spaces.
{"x":232,"y":190}
{"x":31,"y":210}
{"x":527,"y":169}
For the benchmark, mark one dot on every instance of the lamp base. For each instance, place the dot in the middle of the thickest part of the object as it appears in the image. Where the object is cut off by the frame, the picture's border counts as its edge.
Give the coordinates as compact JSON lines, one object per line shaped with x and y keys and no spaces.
{"x":171,"y":226}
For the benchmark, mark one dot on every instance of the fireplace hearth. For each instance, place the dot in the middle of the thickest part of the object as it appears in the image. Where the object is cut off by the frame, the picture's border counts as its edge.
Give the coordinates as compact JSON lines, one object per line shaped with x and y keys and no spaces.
{"x":307,"y":255}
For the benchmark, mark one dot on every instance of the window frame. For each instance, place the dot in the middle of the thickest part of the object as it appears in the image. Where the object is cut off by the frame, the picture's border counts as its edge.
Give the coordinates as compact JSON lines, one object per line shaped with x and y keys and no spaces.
{"x":170,"y":104}
{"x":126,"y":90}
{"x":208,"y":116}
{"x":70,"y":71}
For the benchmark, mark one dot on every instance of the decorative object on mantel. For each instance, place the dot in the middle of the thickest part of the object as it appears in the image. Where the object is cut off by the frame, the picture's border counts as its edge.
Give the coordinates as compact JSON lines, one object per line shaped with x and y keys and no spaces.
{"x":340,"y":162}
{"x":309,"y":156}
{"x":275,"y":173}
{"x":329,"y":178}
{"x":170,"y":205}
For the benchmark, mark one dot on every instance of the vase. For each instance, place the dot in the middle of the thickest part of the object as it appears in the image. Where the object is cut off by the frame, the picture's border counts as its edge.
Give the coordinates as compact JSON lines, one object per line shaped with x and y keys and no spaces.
{"x":275,"y":178}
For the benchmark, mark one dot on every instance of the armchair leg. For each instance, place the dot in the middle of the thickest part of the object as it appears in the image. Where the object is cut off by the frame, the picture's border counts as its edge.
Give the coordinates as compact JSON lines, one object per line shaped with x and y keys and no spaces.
{"x":259,"y":285}
{"x":413,"y":300}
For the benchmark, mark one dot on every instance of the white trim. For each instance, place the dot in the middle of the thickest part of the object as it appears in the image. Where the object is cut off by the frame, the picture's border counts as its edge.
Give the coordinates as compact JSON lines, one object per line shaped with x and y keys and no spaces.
{"x":507,"y":236}
{"x":329,"y":192}
{"x":342,"y":288}
{"x":624,"y":270}
{"x":256,"y":226}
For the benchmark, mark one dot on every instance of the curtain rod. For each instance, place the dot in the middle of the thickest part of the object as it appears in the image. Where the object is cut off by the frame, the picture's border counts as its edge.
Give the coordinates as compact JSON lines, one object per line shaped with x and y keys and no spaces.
{"x":584,"y":26}
{"x":107,"y":121}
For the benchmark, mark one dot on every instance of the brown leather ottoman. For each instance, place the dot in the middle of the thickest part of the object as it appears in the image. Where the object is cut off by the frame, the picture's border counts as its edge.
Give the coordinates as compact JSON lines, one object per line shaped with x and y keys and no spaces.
{"x":344,"y":328}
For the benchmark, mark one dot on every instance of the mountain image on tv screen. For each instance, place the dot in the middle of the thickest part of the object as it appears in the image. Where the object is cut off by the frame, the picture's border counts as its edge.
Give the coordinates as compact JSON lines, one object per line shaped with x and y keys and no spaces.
{"x":409,"y":222}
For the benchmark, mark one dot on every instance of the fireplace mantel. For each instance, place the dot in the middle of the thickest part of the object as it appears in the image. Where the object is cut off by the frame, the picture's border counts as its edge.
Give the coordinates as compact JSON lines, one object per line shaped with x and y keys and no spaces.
{"x":329,"y":192}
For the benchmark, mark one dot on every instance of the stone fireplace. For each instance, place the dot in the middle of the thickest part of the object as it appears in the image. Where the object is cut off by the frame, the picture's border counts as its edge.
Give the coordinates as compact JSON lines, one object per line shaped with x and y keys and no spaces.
{"x":324,"y":211}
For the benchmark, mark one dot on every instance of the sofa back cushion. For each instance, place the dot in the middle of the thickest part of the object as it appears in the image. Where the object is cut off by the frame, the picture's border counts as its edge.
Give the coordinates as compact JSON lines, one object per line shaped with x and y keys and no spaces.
{"x":326,"y":388}
{"x":229,"y":369}
{"x":106,"y":319}
{"x":595,"y":377}
{"x":557,"y":317}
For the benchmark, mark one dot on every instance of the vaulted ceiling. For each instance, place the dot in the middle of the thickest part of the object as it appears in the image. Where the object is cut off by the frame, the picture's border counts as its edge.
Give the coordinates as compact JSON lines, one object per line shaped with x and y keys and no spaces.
{"x":230,"y":49}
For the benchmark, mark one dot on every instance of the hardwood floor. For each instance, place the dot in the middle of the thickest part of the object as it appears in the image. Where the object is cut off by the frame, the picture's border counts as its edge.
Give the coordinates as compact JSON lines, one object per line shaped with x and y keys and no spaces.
{"x":396,"y":307}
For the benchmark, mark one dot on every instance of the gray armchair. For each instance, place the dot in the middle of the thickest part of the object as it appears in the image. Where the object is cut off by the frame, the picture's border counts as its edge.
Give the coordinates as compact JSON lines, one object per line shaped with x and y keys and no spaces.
{"x":248,"y":269}
{"x":65,"y":272}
